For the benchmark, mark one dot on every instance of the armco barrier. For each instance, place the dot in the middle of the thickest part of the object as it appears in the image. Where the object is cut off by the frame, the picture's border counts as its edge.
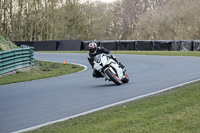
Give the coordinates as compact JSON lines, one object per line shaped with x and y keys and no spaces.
{"x":139,"y":45}
{"x":196,"y":45}
{"x":110,"y":45}
{"x":162,"y":45}
{"x":39,"y":45}
{"x":14,"y":59}
{"x":45,"y":45}
{"x":69,"y":45}
{"x":148,"y":45}
{"x":61,"y":45}
{"x":126,"y":45}
{"x":144,"y":45}
{"x":182,"y":45}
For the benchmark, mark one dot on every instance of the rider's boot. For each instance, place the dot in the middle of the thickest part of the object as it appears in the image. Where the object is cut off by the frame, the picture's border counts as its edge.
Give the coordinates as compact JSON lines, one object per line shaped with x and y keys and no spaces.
{"x":122,"y":66}
{"x":119,"y":63}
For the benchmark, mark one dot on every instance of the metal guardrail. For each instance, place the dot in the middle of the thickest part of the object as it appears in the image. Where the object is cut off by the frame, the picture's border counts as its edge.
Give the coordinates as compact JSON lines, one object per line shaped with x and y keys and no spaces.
{"x":15,"y":59}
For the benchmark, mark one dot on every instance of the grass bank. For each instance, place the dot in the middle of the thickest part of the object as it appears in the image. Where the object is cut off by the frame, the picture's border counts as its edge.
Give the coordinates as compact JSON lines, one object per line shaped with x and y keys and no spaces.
{"x":42,"y":69}
{"x":6,"y":44}
{"x":165,"y":53}
{"x":177,"y":110}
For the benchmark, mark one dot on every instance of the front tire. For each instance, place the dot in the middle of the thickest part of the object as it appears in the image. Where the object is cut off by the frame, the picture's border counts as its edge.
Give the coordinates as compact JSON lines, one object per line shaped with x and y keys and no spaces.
{"x":126,"y":79}
{"x":113,"y":77}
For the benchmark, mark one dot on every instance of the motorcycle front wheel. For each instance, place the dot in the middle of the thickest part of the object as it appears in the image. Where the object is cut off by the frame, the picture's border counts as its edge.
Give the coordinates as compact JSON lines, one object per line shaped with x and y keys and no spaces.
{"x":113,"y":77}
{"x":126,"y":79}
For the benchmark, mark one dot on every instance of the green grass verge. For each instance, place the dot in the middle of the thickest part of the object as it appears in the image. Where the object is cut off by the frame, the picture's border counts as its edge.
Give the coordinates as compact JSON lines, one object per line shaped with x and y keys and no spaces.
{"x":42,"y":69}
{"x":165,"y":53}
{"x":176,"y":110}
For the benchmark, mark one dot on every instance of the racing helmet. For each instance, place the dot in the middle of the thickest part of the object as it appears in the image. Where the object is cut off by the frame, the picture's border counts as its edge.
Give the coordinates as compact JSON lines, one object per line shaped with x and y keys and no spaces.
{"x":92,"y":48}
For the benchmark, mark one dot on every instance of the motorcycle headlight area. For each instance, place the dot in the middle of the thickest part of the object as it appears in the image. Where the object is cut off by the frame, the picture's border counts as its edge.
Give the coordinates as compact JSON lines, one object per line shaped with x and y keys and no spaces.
{"x":97,"y":58}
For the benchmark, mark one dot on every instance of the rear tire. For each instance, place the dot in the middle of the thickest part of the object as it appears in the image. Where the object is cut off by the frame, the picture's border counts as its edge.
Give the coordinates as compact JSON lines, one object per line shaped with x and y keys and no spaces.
{"x":113,"y":77}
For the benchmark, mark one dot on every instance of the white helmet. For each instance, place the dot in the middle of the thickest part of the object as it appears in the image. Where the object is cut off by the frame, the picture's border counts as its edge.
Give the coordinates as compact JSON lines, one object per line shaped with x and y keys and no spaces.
{"x":92,"y":47}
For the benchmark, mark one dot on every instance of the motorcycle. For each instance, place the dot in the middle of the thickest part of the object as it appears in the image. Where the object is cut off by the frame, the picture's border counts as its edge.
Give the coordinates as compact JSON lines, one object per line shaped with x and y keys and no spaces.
{"x":110,"y":69}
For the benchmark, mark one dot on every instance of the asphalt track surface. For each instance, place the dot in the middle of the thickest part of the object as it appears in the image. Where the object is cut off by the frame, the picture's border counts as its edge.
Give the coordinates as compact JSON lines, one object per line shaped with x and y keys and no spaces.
{"x":27,"y":104}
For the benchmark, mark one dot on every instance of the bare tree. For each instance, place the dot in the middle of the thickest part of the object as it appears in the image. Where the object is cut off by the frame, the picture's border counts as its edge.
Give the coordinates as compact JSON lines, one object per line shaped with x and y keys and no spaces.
{"x":170,"y":22}
{"x":93,"y":20}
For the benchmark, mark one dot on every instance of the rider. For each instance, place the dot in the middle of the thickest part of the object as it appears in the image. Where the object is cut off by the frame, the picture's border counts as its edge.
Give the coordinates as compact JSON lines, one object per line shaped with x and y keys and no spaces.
{"x":95,"y":50}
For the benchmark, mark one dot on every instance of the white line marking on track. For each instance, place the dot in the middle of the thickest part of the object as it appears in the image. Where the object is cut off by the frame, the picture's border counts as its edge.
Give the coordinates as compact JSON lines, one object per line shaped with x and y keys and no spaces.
{"x":104,"y":107}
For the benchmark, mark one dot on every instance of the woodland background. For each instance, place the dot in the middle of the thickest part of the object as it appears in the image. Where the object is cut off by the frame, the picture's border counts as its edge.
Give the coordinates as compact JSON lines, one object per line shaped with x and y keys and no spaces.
{"x":37,"y":20}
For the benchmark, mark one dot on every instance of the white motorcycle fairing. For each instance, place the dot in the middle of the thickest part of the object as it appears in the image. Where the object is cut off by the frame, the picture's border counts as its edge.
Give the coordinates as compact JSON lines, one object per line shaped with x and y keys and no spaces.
{"x":106,"y":65}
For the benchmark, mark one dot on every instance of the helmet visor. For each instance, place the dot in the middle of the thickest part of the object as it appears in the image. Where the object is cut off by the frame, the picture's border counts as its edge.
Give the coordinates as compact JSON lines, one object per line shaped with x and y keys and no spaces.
{"x":92,"y":50}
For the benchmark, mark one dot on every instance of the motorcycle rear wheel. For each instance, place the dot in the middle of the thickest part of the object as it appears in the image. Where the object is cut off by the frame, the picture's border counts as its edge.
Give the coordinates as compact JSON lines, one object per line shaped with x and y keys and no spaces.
{"x":113,"y":77}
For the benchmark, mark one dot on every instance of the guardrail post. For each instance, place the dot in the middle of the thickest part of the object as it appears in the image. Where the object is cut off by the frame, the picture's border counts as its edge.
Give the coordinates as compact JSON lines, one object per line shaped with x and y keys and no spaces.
{"x":31,"y":56}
